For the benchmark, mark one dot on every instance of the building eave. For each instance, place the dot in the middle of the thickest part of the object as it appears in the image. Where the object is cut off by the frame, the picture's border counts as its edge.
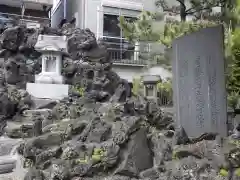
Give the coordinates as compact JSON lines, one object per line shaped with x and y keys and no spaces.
{"x":123,"y":4}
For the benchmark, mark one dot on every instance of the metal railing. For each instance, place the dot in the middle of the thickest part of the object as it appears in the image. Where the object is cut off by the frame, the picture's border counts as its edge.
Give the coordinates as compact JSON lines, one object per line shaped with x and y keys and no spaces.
{"x":165,"y":99}
{"x":15,"y":19}
{"x":123,"y":52}
{"x":45,"y":2}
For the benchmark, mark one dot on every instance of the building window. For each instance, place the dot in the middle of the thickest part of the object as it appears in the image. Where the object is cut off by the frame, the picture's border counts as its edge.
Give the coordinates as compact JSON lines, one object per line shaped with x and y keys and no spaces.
{"x":110,"y":26}
{"x":120,"y":49}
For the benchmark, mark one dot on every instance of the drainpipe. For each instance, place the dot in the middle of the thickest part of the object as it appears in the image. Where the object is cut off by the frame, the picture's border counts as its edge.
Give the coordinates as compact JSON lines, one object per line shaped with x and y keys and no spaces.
{"x":83,"y":14}
{"x":98,"y":22}
{"x":64,"y":9}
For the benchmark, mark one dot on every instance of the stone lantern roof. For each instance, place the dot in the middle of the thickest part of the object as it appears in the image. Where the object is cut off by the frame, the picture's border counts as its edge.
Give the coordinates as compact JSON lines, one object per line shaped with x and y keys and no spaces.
{"x":51,"y":43}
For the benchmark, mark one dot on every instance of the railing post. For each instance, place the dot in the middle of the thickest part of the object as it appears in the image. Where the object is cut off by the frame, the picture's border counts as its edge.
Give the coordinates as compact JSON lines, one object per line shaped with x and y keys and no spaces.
{"x":136,"y":51}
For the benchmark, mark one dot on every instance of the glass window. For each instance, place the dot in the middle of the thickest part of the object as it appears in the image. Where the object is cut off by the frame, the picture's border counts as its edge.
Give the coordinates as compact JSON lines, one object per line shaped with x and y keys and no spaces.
{"x":110,"y":26}
{"x":120,"y":49}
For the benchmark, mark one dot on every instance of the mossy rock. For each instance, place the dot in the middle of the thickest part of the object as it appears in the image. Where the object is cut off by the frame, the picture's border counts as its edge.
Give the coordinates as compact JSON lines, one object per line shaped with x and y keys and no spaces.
{"x":84,"y":160}
{"x":98,"y":151}
{"x":98,"y":155}
{"x":96,"y":158}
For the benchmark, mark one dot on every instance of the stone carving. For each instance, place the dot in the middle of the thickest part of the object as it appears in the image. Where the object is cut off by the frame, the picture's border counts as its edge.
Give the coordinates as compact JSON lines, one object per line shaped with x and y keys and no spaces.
{"x":199,"y":89}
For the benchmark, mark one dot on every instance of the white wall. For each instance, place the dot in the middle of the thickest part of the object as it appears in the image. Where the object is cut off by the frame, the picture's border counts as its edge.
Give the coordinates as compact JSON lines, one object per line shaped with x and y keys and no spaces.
{"x":130,"y":72}
{"x":158,"y":70}
{"x":91,"y":14}
{"x":55,"y":3}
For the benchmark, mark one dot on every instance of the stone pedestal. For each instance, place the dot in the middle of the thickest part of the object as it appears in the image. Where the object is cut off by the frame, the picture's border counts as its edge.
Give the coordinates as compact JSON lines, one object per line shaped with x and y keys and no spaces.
{"x":49,"y":78}
{"x":48,"y":91}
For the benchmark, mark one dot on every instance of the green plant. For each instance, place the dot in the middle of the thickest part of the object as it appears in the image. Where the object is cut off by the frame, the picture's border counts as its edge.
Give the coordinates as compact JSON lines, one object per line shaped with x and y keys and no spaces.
{"x":27,"y":163}
{"x":79,"y":89}
{"x":174,"y":155}
{"x":144,"y":30}
{"x":165,"y":86}
{"x":233,"y":71}
{"x":233,"y":98}
{"x":176,"y":29}
{"x":98,"y":154}
{"x":237,"y":172}
{"x":235,"y":143}
{"x":141,"y":29}
{"x":137,"y":86}
{"x":196,"y":9}
{"x":165,"y":91}
{"x":223,"y":172}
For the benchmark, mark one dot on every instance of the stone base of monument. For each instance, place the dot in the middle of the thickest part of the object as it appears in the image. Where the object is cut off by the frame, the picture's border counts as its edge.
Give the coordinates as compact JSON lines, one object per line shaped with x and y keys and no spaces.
{"x":39,"y":103}
{"x":49,"y":78}
{"x":48,"y":91}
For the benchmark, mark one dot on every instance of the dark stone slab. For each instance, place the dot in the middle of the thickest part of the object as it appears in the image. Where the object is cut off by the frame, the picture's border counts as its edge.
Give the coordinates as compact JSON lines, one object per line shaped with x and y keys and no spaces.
{"x":138,"y":156}
{"x":199,"y":82}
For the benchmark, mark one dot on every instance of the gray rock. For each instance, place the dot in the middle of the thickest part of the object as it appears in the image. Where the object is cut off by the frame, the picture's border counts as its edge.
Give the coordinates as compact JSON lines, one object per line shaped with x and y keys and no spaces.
{"x":152,"y":174}
{"x":34,"y":174}
{"x":137,"y":152}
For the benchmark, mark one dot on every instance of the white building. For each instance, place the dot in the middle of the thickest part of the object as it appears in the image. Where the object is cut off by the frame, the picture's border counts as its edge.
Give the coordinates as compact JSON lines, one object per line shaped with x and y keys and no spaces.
{"x":101,"y":16}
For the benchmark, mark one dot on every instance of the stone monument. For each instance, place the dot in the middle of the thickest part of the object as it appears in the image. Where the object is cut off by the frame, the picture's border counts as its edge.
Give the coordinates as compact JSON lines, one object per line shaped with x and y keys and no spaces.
{"x":49,"y":83}
{"x":199,"y":82}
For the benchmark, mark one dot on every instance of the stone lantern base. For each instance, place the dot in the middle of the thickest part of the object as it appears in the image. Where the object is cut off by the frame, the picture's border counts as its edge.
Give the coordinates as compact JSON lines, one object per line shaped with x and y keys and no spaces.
{"x":49,"y":78}
{"x":48,"y":91}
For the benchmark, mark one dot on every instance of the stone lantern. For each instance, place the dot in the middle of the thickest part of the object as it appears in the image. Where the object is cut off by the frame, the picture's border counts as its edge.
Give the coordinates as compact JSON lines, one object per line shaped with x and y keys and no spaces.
{"x":49,"y":83}
{"x":150,"y":85}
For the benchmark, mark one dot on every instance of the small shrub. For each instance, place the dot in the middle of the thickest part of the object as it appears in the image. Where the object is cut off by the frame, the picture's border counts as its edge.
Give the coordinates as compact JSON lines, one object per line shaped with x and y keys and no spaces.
{"x":223,"y":172}
{"x":27,"y":163}
{"x":233,"y":98}
{"x":137,"y":86}
{"x":174,"y":155}
{"x":80,"y":90}
{"x":98,"y":154}
{"x":84,"y":160}
{"x":237,"y":172}
{"x":235,"y":142}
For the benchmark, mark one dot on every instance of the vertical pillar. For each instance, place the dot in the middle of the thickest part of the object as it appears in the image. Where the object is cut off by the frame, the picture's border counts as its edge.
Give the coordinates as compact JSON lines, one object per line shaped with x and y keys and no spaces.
{"x":64,"y":9}
{"x":136,"y":51}
{"x":155,"y":90}
{"x":58,"y":64}
{"x":98,"y":21}
{"x":145,"y":90}
{"x":44,"y":58}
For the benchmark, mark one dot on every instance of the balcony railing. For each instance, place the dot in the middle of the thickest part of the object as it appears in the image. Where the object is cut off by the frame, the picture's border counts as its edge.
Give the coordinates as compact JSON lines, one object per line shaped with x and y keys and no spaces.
{"x":9,"y":20}
{"x":165,"y":99}
{"x":125,"y":53}
{"x":45,"y":2}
